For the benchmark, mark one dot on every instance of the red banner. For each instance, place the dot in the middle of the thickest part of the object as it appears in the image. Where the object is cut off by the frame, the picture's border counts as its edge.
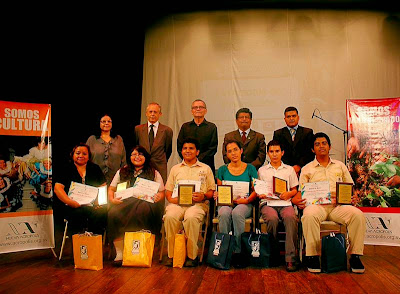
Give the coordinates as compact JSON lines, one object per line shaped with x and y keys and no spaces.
{"x":25,"y":119}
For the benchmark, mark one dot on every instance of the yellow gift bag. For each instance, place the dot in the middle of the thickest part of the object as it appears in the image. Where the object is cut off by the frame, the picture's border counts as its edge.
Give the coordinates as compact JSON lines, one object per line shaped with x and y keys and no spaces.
{"x":88,"y":251}
{"x":179,"y":250}
{"x":138,"y":249}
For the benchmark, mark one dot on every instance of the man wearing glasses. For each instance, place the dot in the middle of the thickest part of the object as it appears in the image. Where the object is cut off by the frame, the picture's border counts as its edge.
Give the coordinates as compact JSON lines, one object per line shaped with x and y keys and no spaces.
{"x":204,"y":131}
{"x":254,"y":147}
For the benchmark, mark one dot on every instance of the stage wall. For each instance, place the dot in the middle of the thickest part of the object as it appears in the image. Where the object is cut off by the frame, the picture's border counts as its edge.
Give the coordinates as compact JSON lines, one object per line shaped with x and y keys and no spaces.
{"x":267,"y":60}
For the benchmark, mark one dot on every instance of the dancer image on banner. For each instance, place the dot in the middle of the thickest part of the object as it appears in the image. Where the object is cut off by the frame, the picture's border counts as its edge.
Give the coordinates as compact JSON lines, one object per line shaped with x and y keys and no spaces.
{"x":27,"y":178}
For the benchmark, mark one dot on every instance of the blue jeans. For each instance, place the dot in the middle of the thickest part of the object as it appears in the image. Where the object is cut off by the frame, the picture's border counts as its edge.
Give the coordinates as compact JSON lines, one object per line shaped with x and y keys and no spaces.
{"x":238,"y":215}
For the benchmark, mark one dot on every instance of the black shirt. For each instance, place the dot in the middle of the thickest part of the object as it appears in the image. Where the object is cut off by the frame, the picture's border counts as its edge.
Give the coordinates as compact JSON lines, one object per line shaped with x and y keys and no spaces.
{"x":206,"y":134}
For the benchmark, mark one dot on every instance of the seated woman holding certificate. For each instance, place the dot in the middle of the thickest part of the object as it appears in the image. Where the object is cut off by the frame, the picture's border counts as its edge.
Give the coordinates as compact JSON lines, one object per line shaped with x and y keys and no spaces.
{"x":130,"y":211}
{"x":81,"y":170}
{"x":235,"y":173}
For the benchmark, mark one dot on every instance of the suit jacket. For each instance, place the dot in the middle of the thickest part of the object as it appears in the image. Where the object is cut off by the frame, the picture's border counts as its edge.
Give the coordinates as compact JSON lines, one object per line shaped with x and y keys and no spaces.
{"x":162,"y":146}
{"x":254,"y":148}
{"x":297,"y":152}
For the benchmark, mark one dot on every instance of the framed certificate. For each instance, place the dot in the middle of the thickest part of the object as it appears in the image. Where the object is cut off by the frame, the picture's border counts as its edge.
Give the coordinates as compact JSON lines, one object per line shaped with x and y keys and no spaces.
{"x":185,"y":194}
{"x":225,"y":195}
{"x":279,"y":185}
{"x":344,"y":191}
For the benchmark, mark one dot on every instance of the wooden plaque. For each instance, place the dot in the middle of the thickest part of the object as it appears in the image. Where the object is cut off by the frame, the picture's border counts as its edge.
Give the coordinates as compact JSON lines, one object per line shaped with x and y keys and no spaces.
{"x":225,"y":195}
{"x":344,"y":193}
{"x":185,"y":194}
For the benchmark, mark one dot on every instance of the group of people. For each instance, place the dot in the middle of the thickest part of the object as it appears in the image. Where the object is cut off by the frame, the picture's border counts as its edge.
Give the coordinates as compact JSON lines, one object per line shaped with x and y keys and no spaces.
{"x":34,"y":168}
{"x":296,"y":154}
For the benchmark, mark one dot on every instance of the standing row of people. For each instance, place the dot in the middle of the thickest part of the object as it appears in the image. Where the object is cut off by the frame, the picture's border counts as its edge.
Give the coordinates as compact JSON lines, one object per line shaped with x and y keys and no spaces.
{"x":244,"y":152}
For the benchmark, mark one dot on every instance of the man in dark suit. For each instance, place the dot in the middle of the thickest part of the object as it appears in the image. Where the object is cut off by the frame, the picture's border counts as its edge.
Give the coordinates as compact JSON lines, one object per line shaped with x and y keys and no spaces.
{"x":156,"y":138}
{"x":296,"y":140}
{"x":253,"y":143}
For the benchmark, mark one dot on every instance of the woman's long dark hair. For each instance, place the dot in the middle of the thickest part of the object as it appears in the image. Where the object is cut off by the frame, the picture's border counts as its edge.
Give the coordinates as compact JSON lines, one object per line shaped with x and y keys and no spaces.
{"x":126,"y":173}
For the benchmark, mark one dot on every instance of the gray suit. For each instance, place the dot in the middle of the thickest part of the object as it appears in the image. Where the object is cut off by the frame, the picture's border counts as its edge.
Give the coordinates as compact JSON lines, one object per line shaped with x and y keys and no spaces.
{"x":162,"y":146}
{"x":254,"y":148}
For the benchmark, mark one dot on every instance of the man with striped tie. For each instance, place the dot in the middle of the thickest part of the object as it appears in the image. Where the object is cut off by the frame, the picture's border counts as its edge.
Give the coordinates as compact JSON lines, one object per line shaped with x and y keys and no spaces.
{"x":253,"y":143}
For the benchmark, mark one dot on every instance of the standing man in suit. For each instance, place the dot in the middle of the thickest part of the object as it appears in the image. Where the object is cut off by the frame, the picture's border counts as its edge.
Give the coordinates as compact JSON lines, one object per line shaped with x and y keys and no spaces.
{"x":297,"y":141}
{"x":156,"y":138}
{"x":254,"y":147}
{"x":204,"y":131}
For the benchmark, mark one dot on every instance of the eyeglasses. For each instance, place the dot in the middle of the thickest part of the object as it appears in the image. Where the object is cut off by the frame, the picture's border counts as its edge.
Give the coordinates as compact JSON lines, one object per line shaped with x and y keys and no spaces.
{"x":198,"y":107}
{"x":106,"y":121}
{"x":244,"y":117}
{"x":136,"y":154}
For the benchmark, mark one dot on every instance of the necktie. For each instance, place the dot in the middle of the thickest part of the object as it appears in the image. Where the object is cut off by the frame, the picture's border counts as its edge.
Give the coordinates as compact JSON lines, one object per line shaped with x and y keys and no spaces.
{"x":292,"y":133}
{"x":151,"y":136}
{"x":243,"y":137}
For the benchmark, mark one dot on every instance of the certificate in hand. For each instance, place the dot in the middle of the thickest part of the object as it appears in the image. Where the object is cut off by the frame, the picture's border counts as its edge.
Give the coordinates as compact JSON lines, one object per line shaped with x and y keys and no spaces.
{"x":266,"y":188}
{"x":142,"y":189}
{"x":225,"y":195}
{"x":197,"y":185}
{"x":240,"y":189}
{"x":124,"y":193}
{"x":83,"y":194}
{"x":263,"y":188}
{"x":316,"y":193}
{"x":145,"y":189}
{"x":279,"y":185}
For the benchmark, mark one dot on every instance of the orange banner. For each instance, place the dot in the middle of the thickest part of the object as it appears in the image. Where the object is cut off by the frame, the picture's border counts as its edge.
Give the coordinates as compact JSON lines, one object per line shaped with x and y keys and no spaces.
{"x":25,"y":119}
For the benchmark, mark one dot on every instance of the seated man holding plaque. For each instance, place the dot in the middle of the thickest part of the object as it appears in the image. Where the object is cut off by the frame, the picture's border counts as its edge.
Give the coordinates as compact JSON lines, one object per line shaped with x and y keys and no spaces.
{"x":138,"y":205}
{"x":240,"y":175}
{"x":80,"y":211}
{"x":319,"y":180}
{"x":189,"y":184}
{"x":280,"y":186}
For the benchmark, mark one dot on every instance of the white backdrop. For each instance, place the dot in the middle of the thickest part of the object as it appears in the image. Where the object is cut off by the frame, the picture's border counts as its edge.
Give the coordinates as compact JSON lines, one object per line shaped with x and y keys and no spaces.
{"x":267,"y":60}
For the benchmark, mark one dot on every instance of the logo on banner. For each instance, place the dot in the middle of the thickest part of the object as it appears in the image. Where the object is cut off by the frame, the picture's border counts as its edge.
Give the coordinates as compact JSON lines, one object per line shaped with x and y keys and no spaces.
{"x":378,"y":223}
{"x":21,"y":228}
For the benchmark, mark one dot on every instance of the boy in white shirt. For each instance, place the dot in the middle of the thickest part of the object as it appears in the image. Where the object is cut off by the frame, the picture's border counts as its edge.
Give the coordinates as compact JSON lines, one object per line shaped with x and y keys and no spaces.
{"x":285,"y":209}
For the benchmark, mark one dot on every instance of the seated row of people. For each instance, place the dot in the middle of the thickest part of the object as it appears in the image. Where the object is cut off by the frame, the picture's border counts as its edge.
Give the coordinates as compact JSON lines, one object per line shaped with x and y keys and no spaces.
{"x":133,"y":214}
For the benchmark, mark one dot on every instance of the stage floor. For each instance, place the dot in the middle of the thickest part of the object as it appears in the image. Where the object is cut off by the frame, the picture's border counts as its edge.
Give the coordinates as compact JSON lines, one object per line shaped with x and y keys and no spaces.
{"x":39,"y":272}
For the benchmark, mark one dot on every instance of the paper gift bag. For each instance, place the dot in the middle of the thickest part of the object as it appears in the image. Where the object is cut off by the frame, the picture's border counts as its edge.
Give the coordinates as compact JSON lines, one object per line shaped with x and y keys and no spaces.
{"x":256,"y":249}
{"x":220,"y":250}
{"x":138,"y":249}
{"x":179,"y":250}
{"x":88,"y":251}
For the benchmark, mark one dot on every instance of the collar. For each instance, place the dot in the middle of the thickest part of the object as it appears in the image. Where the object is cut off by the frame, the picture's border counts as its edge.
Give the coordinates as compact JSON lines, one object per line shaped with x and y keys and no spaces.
{"x":156,"y":124}
{"x":204,"y":122}
{"x":197,"y":163}
{"x":315,"y":162}
{"x":246,"y":131}
{"x":294,"y":128}
{"x":282,"y":166}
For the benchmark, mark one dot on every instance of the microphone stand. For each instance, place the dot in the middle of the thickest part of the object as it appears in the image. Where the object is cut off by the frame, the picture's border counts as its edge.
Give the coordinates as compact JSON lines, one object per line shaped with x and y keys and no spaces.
{"x":344,"y":134}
